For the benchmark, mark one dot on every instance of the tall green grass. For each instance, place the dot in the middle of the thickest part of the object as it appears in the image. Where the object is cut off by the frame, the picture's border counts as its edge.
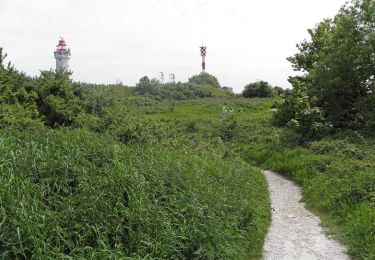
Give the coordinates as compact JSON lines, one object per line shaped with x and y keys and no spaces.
{"x":73,"y":193}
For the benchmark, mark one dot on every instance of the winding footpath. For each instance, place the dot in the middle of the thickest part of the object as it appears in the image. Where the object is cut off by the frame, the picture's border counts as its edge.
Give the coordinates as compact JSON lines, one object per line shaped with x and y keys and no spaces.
{"x":295,"y":232}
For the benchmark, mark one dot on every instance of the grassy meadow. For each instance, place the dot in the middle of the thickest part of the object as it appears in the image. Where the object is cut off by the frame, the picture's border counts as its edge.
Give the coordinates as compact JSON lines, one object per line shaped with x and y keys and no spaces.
{"x":131,"y":181}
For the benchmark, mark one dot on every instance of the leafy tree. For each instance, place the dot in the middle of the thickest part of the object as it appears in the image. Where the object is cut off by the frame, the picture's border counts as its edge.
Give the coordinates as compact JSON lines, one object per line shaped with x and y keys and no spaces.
{"x":205,"y":79}
{"x":309,"y":51}
{"x":57,"y":102}
{"x":339,"y":63}
{"x":260,"y":89}
{"x":147,"y":86}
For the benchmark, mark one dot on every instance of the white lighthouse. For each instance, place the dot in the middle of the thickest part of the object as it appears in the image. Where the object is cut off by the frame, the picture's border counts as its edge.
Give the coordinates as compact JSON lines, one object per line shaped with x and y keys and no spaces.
{"x":62,"y":55}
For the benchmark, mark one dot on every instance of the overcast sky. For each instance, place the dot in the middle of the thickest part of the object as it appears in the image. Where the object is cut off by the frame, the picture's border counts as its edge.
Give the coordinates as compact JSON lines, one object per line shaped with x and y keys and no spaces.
{"x":247,"y":40}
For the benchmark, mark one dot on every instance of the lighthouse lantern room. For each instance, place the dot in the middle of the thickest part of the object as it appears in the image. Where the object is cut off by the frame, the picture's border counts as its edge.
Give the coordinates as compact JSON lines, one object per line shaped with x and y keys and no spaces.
{"x":62,"y":55}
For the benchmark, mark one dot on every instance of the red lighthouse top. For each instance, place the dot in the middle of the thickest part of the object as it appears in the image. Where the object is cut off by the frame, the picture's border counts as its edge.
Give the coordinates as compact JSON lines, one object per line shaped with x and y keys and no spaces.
{"x":62,"y":45}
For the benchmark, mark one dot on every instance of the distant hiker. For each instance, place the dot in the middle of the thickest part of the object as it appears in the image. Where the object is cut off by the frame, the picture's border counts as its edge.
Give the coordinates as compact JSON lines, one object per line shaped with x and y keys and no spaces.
{"x":223,"y":113}
{"x":231,"y":112}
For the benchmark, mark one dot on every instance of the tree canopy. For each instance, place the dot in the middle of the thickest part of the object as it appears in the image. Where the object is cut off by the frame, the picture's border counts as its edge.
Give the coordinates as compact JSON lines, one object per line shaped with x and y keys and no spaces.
{"x":338,"y":65}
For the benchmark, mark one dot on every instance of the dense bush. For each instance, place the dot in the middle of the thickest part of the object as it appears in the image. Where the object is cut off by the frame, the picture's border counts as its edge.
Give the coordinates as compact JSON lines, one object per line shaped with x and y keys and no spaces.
{"x":199,"y":86}
{"x":205,"y":78}
{"x":260,"y":89}
{"x":17,"y":98}
{"x":300,"y":113}
{"x":57,"y":101}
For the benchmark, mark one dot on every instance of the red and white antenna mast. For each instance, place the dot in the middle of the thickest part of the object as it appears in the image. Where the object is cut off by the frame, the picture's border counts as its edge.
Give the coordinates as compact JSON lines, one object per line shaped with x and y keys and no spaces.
{"x":203,"y":54}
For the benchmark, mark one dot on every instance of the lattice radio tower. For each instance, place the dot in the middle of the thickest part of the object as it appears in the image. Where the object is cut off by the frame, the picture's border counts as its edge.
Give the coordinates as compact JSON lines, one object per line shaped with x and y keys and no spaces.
{"x":203,"y":54}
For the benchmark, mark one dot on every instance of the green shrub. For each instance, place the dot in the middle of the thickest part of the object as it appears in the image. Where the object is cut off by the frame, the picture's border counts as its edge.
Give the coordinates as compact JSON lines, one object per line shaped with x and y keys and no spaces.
{"x":297,"y":113}
{"x":260,"y":89}
{"x":18,"y":98}
{"x":205,"y":78}
{"x":57,"y":102}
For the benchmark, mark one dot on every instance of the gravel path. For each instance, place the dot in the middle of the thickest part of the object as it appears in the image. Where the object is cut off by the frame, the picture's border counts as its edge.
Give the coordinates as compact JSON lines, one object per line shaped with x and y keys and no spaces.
{"x":295,"y":232}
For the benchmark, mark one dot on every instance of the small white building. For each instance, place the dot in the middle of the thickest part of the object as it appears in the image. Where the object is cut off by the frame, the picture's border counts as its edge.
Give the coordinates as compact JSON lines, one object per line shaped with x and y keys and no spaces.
{"x":62,"y":56}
